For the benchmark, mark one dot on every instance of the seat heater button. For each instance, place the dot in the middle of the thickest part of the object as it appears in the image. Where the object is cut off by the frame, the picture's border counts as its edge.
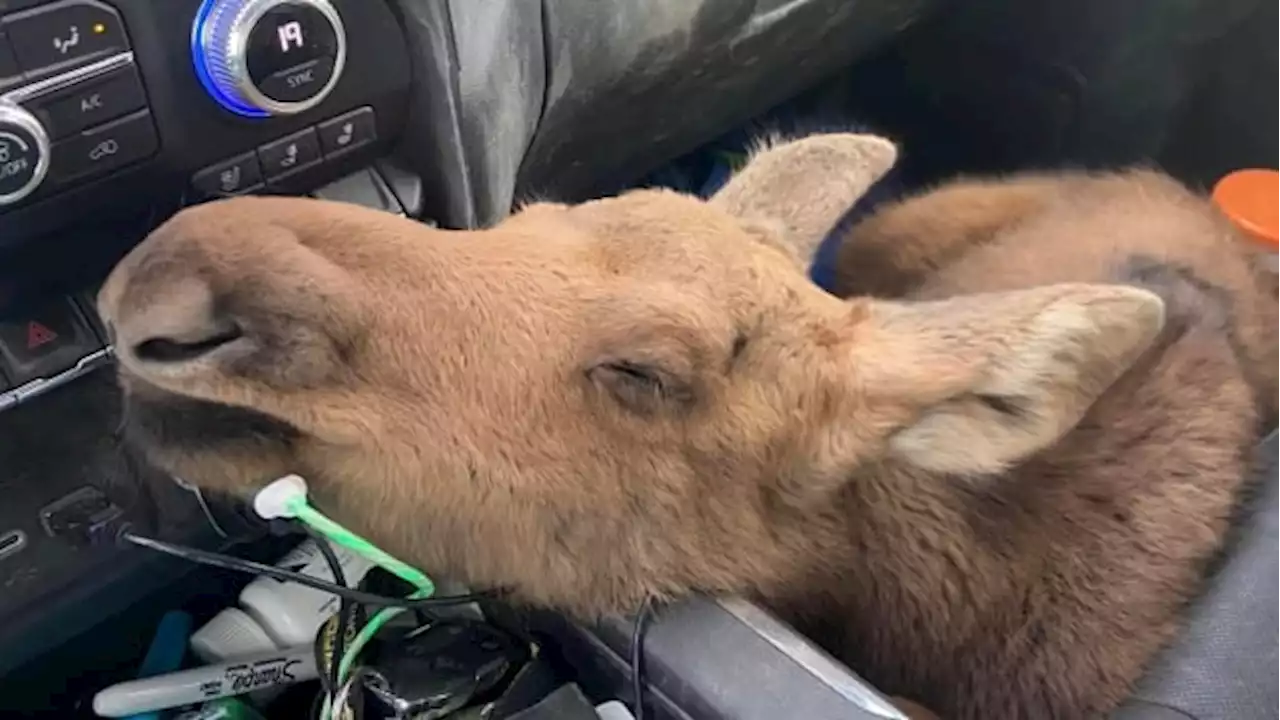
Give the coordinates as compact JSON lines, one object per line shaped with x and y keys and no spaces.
{"x":347,"y":132}
{"x":64,"y":34}
{"x":45,"y":342}
{"x":91,"y":103}
{"x":104,"y":148}
{"x":290,"y":154}
{"x":240,"y":174}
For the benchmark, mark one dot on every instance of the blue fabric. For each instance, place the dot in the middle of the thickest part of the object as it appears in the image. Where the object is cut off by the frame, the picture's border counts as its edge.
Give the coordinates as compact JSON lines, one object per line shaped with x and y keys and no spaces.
{"x":889,"y":188}
{"x":167,"y":650}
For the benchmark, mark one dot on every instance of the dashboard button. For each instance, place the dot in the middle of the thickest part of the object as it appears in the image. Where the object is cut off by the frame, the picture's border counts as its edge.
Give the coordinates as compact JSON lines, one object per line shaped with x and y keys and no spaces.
{"x":347,"y":132}
{"x":24,"y":153}
{"x":104,"y":148}
{"x":18,"y":157}
{"x":91,"y":103}
{"x":64,"y":33}
{"x":45,"y":342}
{"x":238,"y":175}
{"x":259,"y":58}
{"x":290,"y":154}
{"x":298,"y":83}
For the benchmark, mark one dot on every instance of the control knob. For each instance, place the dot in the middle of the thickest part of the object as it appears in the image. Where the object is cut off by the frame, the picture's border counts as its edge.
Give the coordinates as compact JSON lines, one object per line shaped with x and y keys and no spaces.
{"x":259,"y":58}
{"x":24,"y":153}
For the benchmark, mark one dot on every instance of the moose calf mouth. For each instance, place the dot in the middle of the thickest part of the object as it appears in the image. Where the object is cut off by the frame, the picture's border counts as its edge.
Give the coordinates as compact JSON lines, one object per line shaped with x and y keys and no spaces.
{"x":160,"y":423}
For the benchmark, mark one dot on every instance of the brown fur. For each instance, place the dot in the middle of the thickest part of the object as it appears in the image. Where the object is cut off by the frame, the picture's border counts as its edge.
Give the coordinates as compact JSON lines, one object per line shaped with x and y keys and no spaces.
{"x":643,"y":397}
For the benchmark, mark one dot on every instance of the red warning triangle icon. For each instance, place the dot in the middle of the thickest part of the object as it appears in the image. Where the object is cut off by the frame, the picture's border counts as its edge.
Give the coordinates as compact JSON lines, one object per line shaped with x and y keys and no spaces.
{"x":38,"y":335}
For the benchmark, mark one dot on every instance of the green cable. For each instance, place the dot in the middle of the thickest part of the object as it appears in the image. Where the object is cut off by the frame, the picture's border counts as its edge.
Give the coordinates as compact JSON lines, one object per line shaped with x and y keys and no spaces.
{"x":344,"y":537}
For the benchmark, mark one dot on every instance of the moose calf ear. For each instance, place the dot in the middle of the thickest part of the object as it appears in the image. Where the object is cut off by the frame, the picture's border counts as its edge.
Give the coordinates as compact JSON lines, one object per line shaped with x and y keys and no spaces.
{"x":987,"y":380}
{"x":803,"y":187}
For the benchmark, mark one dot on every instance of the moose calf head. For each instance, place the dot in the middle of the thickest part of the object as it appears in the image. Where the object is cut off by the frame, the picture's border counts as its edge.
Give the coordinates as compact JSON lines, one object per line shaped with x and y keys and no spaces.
{"x":638,"y":396}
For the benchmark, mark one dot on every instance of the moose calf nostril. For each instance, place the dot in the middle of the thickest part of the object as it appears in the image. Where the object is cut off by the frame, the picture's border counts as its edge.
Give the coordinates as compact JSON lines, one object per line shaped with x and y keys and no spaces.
{"x":168,"y":350}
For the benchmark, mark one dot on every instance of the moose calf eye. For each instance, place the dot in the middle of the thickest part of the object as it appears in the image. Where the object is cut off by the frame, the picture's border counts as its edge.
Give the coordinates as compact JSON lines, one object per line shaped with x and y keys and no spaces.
{"x":641,"y":388}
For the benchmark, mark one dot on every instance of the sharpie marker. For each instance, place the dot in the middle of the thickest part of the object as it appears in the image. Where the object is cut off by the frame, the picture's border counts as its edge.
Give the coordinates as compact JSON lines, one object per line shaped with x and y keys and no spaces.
{"x":266,"y":670}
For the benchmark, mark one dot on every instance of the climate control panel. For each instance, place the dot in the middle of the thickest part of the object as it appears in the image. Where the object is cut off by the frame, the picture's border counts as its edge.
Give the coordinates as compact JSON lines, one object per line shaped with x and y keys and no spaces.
{"x":84,"y":112}
{"x":268,"y":57}
{"x":108,"y":106}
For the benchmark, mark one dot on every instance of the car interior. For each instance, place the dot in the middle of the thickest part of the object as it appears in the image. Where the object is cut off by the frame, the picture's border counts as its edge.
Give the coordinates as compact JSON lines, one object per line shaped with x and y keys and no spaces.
{"x":115,"y":114}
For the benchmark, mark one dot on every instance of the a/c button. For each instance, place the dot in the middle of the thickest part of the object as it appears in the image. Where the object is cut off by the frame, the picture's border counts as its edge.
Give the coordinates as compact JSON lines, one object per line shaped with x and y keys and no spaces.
{"x":91,"y":103}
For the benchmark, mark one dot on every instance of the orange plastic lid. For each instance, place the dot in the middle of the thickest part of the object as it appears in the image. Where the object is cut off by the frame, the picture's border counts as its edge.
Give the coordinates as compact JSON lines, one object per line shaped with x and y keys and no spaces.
{"x":1251,"y":198}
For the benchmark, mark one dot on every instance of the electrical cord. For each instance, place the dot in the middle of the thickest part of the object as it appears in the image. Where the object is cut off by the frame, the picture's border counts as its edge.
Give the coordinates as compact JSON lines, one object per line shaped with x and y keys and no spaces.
{"x":342,"y":695}
{"x":345,"y":609}
{"x":637,"y":659}
{"x":229,"y":562}
{"x":204,"y":505}
{"x":285,"y":498}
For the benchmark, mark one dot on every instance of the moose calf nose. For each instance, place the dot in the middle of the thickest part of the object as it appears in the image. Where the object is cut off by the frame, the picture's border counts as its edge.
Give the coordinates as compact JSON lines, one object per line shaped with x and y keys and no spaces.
{"x":161,"y":349}
{"x":171,"y":324}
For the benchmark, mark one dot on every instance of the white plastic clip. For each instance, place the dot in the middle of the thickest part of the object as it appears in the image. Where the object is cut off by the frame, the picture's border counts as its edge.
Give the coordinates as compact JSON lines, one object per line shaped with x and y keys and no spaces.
{"x":278,"y":499}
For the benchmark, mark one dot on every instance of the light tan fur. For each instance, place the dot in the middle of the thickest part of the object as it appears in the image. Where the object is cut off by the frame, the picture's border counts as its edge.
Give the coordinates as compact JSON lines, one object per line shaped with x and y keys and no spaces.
{"x":990,"y":493}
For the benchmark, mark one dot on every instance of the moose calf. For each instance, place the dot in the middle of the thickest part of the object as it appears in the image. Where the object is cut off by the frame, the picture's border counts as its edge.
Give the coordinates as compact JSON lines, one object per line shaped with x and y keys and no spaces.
{"x":987,"y":480}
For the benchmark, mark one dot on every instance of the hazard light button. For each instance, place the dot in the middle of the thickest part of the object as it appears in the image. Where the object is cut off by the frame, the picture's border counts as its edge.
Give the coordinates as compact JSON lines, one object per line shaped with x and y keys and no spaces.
{"x":44,"y":342}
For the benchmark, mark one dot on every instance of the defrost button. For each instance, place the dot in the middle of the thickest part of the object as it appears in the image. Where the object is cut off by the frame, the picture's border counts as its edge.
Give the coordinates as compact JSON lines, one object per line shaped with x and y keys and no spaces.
{"x":64,"y":33}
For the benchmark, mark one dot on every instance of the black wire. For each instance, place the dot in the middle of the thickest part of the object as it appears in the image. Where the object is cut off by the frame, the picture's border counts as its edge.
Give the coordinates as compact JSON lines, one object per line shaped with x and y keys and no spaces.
{"x":637,"y":659}
{"x":344,"y":607}
{"x":228,"y":562}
